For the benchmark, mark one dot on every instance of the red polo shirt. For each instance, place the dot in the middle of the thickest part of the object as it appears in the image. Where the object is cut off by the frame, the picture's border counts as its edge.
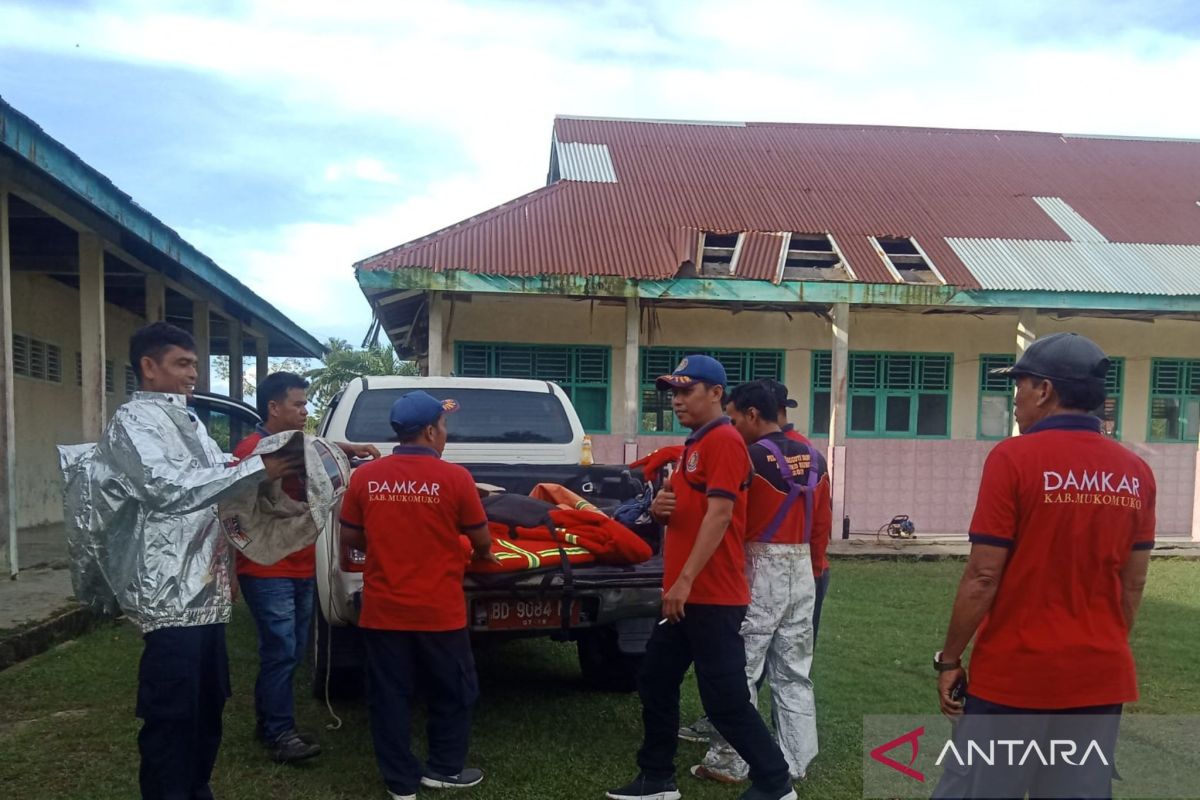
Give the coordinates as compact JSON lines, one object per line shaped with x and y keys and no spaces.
{"x":300,"y":564}
{"x":821,"y":534}
{"x":714,"y":463}
{"x":768,"y":492}
{"x":1071,"y":505}
{"x":412,"y":507}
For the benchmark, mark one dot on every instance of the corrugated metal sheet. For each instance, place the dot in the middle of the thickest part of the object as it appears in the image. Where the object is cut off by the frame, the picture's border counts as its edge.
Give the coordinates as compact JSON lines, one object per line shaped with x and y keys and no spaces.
{"x":1159,"y":269}
{"x":1067,"y":218}
{"x":854,"y":182}
{"x":580,"y":161}
{"x":759,"y":259}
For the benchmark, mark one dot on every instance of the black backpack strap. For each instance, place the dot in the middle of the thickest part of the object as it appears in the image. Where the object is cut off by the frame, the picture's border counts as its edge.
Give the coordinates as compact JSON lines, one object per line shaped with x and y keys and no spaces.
{"x":568,"y":573}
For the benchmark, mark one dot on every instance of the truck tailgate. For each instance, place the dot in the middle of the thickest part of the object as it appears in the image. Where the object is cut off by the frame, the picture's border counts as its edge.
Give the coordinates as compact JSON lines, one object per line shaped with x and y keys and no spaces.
{"x":648,"y":574}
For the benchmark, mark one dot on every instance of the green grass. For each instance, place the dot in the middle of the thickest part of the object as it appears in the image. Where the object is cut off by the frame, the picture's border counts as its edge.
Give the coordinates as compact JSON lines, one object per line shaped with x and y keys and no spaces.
{"x":67,"y":728}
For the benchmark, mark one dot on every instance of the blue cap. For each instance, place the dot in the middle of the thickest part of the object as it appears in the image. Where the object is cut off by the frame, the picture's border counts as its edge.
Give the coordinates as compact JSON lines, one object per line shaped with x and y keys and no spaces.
{"x":418,"y":409}
{"x":693,"y":369}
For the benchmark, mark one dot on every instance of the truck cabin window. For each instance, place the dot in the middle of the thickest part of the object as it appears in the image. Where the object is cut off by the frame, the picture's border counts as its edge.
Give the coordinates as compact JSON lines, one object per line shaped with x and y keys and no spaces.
{"x":485,"y":416}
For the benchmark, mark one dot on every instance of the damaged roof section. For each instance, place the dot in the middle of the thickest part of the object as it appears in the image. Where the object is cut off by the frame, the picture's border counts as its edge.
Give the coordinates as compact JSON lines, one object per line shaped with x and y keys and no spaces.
{"x":637,"y":199}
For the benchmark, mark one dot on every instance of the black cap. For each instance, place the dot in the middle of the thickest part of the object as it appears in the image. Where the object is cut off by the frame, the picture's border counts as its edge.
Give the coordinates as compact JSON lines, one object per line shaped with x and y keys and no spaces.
{"x":1061,"y":357}
{"x":781,"y":394}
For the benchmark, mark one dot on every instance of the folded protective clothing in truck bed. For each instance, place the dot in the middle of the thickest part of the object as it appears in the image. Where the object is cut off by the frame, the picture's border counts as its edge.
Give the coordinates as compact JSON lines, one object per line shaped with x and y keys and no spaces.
{"x":581,"y":534}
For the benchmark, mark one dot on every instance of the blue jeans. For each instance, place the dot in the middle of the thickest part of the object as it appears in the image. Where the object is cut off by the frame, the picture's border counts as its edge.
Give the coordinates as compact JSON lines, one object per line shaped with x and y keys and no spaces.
{"x":282,"y":610}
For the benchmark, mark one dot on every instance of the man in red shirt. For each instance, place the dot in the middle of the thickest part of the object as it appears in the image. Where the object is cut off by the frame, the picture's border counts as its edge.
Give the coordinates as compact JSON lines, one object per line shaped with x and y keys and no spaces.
{"x":788,"y":502}
{"x":821,"y":535}
{"x":280,"y":596}
{"x":705,"y":597}
{"x":407,"y":511}
{"x":1060,"y":547}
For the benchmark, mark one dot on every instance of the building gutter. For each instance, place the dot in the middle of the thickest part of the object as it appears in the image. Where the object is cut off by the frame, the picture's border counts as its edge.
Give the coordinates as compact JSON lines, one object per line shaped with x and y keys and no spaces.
{"x":765,"y":292}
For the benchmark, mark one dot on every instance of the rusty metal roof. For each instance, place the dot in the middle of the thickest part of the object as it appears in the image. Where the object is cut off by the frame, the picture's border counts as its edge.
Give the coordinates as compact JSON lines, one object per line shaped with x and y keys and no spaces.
{"x":629,"y":198}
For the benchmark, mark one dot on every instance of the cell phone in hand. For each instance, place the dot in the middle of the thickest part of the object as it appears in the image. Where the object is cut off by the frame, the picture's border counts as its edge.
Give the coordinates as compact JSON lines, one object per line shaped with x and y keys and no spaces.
{"x":958,"y":692}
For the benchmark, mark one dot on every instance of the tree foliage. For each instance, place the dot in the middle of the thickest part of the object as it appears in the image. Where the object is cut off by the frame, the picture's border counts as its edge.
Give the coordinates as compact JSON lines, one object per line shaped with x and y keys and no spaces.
{"x":297,"y":365}
{"x":344,"y":363}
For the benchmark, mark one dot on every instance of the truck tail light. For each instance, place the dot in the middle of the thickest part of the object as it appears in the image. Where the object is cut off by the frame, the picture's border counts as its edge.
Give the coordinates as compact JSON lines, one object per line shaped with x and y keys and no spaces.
{"x":353,"y":560}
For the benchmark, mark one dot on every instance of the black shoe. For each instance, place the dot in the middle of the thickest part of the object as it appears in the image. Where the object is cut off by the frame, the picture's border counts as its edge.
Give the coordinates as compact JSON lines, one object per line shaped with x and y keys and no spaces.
{"x":643,"y":788}
{"x":470,"y":776}
{"x":289,"y":748}
{"x":784,"y":793}
{"x":307,"y":738}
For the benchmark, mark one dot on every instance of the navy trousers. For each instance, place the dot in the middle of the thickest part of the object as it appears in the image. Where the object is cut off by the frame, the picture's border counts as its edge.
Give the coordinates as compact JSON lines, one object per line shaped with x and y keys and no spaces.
{"x":183,"y":682}
{"x":983,"y":722}
{"x":401,"y":665}
{"x":710,"y":637}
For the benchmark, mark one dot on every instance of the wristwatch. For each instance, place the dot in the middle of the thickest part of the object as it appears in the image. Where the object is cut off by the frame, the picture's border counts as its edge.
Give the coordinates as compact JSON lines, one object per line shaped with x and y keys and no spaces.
{"x":945,"y":666}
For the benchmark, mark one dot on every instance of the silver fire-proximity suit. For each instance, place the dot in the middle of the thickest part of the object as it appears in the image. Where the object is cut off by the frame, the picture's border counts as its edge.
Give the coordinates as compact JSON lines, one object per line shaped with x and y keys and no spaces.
{"x":141,"y":515}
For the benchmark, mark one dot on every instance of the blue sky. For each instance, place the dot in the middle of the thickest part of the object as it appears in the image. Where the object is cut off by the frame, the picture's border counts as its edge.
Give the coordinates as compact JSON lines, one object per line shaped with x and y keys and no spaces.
{"x":288,"y":140}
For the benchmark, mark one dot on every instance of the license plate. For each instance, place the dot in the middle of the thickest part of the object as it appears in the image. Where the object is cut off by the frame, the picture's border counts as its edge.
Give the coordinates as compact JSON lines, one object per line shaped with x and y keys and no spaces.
{"x":505,"y":615}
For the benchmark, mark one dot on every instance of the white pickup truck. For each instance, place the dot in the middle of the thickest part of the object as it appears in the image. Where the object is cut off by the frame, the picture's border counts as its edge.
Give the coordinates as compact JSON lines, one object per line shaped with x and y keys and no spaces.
{"x":513,"y":434}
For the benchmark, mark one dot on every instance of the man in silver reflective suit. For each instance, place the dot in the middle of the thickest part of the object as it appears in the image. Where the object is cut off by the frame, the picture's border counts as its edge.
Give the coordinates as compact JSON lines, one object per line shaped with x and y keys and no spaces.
{"x":145,"y":500}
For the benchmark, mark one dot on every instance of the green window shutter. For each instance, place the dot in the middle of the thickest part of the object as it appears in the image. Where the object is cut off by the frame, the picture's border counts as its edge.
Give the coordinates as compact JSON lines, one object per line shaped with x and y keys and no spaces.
{"x":474,"y":360}
{"x":1110,"y":411}
{"x":891,"y":394}
{"x":740,"y":366}
{"x":1174,"y":400}
{"x":583,"y":372}
{"x":995,"y":418}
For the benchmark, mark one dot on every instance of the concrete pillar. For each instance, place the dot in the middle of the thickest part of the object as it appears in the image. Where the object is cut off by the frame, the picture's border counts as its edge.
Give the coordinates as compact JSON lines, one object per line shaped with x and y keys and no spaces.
{"x":8,"y":435}
{"x":200,"y":332}
{"x":633,"y":376}
{"x":1026,"y":333}
{"x":236,"y":375}
{"x":433,"y":359}
{"x":156,"y":297}
{"x":91,"y":334}
{"x":262,"y":366}
{"x":839,"y":394}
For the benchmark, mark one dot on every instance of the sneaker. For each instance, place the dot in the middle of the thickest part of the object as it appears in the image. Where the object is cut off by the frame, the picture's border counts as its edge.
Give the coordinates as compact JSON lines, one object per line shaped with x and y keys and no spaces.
{"x":754,"y":793}
{"x":643,"y":788}
{"x":709,"y":774}
{"x":290,"y":748}
{"x":470,"y":776}
{"x":395,"y":796}
{"x":700,"y":731}
{"x":307,"y":738}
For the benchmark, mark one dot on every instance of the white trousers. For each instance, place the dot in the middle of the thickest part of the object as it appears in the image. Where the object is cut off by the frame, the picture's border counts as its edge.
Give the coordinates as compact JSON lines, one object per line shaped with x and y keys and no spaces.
{"x":778,"y":634}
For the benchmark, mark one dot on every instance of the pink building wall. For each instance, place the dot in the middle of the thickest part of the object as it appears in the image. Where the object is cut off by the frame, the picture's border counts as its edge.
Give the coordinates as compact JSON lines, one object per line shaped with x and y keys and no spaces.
{"x":935,"y":482}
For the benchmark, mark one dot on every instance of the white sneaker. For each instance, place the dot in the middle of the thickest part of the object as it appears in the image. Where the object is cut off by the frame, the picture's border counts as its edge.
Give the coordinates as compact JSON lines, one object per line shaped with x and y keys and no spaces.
{"x":395,"y":796}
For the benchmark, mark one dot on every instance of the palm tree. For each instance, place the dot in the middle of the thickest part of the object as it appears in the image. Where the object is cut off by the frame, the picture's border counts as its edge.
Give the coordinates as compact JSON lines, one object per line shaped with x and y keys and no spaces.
{"x":343,"y":363}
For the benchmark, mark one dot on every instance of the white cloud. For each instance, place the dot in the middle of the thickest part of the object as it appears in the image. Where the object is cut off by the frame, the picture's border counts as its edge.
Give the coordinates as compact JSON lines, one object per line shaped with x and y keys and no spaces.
{"x":488,"y":78}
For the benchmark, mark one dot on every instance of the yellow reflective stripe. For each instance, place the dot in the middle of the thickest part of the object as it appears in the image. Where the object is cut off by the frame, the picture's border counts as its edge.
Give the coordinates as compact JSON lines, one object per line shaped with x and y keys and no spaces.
{"x":574,"y":551}
{"x":534,"y":561}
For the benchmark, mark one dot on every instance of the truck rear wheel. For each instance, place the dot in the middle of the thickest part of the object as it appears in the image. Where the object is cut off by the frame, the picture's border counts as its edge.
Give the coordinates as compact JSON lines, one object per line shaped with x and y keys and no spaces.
{"x":338,"y":656}
{"x":604,"y":665}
